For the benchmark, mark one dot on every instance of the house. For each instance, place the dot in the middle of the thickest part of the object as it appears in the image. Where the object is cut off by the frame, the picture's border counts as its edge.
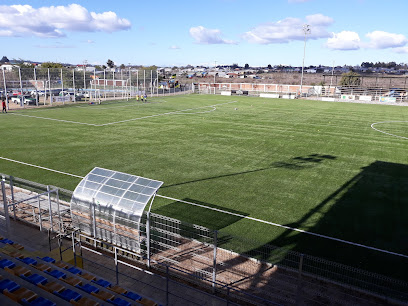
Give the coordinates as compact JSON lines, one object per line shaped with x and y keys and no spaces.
{"x":8,"y":67}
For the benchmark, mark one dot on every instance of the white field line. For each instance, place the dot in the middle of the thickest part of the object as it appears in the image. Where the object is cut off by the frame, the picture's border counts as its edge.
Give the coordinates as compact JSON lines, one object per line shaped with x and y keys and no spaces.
{"x":52,"y":119}
{"x":234,"y":214}
{"x":133,"y":119}
{"x":378,"y":130}
{"x":164,"y":114}
{"x":39,"y":167}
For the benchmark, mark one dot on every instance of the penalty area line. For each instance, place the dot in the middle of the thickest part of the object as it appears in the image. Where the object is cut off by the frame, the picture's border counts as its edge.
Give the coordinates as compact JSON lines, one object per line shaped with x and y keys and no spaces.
{"x":231,"y":213}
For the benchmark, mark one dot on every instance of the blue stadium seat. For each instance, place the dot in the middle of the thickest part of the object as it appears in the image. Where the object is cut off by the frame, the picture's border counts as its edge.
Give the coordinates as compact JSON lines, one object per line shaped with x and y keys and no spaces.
{"x":8,"y":285}
{"x":103,"y":283}
{"x":35,"y":279}
{"x":74,"y":270}
{"x":133,"y":296}
{"x":120,"y":302}
{"x":7,"y":263}
{"x":88,"y":288}
{"x":28,"y":261}
{"x":48,"y":259}
{"x":68,"y":295}
{"x":40,"y":301}
{"x":56,"y":273}
{"x":7,"y":241}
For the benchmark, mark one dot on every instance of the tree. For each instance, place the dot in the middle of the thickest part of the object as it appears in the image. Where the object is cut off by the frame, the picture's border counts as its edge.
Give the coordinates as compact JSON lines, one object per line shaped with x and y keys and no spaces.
{"x":269,"y":66}
{"x":51,"y":65}
{"x":4,"y":59}
{"x":350,"y":79}
{"x":110,"y":63}
{"x":122,"y":66}
{"x":246,"y":66}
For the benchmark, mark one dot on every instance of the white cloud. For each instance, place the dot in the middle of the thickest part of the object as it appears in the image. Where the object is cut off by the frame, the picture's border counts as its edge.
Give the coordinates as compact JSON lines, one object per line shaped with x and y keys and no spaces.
{"x":289,"y":29}
{"x":384,"y":40}
{"x":345,"y":40}
{"x":52,"y":21}
{"x":174,"y":47}
{"x":403,"y":50}
{"x":208,"y":36}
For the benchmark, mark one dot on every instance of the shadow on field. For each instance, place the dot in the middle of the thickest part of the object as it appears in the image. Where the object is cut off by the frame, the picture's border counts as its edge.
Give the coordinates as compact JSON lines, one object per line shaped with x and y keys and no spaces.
{"x":295,"y":163}
{"x":370,"y":209}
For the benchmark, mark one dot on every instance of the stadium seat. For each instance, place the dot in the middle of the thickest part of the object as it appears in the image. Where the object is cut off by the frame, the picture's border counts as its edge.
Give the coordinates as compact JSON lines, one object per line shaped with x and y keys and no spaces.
{"x":74,"y":270}
{"x":48,"y":259}
{"x":7,"y":241}
{"x":35,"y":279}
{"x":7,"y":263}
{"x":103,"y":283}
{"x":120,"y":302}
{"x":56,"y":273}
{"x":8,"y":285}
{"x":40,"y":301}
{"x":68,"y":295}
{"x":28,"y":261}
{"x":88,"y":288}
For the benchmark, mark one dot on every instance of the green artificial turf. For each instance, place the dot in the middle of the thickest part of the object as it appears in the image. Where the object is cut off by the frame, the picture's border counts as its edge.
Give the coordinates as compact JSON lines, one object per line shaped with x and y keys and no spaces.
{"x":312,"y":165}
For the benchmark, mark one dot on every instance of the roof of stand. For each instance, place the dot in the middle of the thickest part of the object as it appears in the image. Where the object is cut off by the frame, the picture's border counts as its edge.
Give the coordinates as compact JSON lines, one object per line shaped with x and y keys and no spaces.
{"x":120,"y":191}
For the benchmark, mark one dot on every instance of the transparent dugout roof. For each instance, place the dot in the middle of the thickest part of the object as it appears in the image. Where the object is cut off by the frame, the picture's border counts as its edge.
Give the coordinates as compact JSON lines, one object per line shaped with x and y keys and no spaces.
{"x":120,"y":191}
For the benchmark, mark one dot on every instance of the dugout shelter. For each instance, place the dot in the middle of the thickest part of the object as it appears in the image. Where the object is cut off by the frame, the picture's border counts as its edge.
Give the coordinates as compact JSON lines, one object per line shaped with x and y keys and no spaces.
{"x":109,"y":205}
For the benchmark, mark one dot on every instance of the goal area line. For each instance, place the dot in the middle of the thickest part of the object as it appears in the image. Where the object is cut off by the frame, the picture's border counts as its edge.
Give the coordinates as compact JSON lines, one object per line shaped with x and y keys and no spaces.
{"x":229,"y":213}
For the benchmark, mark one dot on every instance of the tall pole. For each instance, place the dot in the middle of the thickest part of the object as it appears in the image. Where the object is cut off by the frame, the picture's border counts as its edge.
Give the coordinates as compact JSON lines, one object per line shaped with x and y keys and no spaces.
{"x":85,"y":63}
{"x":331,"y":78}
{"x":5,"y":88}
{"x":215,"y":66}
{"x":306,"y":31}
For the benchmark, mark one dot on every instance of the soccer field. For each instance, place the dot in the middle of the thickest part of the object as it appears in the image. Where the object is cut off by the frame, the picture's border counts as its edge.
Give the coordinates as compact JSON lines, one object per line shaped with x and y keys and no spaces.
{"x":311,"y":165}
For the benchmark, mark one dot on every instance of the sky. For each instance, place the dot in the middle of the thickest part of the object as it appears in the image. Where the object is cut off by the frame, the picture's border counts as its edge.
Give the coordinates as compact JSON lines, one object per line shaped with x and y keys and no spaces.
{"x":210,"y":32}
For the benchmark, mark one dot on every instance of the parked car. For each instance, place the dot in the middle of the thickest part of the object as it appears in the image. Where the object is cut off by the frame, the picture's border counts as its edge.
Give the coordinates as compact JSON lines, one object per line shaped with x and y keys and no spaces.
{"x":27,"y":99}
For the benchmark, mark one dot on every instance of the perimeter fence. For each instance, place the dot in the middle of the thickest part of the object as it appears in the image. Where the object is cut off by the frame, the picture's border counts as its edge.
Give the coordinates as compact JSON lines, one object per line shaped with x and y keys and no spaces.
{"x":228,"y":265}
{"x":62,"y":85}
{"x":373,"y":94}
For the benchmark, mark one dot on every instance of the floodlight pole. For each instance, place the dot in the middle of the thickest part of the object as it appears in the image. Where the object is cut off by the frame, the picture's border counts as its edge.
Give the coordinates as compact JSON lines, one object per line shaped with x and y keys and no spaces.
{"x":306,"y":31}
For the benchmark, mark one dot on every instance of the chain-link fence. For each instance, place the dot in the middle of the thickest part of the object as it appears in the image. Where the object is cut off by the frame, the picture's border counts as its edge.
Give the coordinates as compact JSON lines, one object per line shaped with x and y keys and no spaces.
{"x":47,"y":86}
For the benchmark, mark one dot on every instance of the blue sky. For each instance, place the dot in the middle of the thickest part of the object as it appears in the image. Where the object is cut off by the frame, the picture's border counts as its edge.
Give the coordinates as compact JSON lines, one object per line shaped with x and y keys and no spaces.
{"x":178,"y":33}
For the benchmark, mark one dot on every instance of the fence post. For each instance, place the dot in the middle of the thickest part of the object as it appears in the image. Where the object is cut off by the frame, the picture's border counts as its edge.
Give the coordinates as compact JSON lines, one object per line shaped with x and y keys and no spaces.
{"x":148,"y":238}
{"x":299,"y":285}
{"x":116,"y":266}
{"x":50,"y":207}
{"x":5,"y":206}
{"x":93,"y":220}
{"x":167,"y":285}
{"x":214,"y":261}
{"x":12,"y":195}
{"x":73,"y":247}
{"x":39,"y":213}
